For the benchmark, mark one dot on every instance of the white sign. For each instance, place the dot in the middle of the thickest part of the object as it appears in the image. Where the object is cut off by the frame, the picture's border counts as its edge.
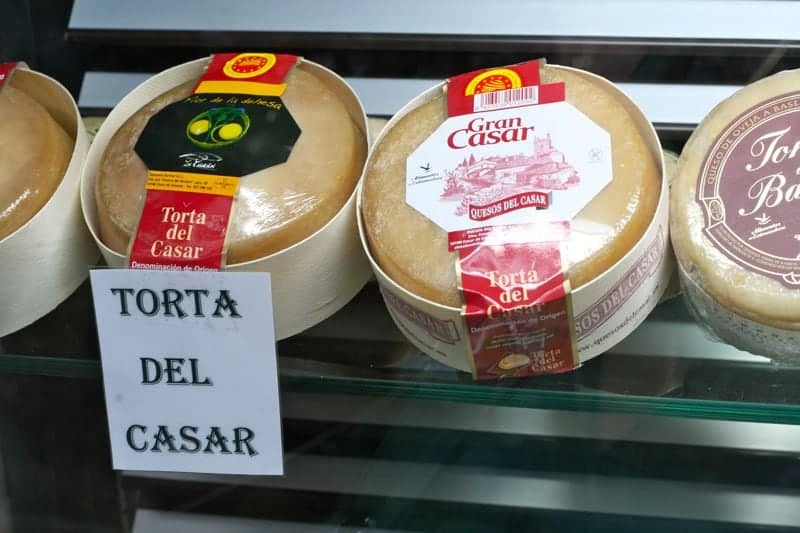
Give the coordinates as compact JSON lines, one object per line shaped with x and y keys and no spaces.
{"x":512,"y":166}
{"x":190,"y":370}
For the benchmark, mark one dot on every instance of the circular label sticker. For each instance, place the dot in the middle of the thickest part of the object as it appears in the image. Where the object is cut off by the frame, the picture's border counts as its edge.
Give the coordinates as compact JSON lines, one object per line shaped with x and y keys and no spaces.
{"x":249,"y":65}
{"x":497,"y":79}
{"x":749,"y":190}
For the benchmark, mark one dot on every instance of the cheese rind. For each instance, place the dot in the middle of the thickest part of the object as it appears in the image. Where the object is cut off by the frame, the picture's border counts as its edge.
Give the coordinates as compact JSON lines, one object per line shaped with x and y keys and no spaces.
{"x":670,"y":165}
{"x":374,"y":127}
{"x":745,"y":292}
{"x":670,"y":170}
{"x":413,"y":250}
{"x":34,"y":154}
{"x":276,"y":207}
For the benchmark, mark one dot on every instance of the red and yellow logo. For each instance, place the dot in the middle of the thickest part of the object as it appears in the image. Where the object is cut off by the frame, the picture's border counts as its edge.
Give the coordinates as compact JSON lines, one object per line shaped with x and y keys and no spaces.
{"x":249,"y":65}
{"x":497,"y":79}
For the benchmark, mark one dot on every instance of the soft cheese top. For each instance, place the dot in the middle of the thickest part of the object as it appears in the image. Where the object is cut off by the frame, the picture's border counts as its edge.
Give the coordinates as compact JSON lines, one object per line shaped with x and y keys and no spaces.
{"x":34,"y":154}
{"x":412,"y":249}
{"x":276,"y":207}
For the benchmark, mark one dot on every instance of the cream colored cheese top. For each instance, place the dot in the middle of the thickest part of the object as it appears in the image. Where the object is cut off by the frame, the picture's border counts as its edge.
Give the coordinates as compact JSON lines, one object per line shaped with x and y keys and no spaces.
{"x":412,"y":250}
{"x":276,"y":207}
{"x":742,"y":291}
{"x":34,"y":154}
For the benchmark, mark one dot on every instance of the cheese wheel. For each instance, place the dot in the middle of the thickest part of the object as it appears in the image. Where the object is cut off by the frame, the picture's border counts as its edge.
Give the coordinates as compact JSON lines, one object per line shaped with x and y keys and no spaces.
{"x":670,"y":170}
{"x":725,"y":281}
{"x":412,"y":250}
{"x":374,"y":127}
{"x":670,"y":165}
{"x":92,"y":125}
{"x":34,"y":154}
{"x":276,"y":207}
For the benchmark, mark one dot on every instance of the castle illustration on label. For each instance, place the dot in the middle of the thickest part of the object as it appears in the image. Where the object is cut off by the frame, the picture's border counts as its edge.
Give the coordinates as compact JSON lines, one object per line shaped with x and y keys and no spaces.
{"x":486,"y":180}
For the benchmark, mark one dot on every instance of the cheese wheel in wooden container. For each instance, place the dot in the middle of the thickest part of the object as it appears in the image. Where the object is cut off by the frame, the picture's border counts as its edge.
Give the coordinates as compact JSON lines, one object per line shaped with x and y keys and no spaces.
{"x":45,"y":250}
{"x":295,"y":219}
{"x":616,"y":252}
{"x":735,"y":227}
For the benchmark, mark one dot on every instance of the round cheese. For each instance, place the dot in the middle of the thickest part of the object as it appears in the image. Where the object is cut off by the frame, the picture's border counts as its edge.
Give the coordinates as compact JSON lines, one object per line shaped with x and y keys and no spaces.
{"x":276,"y":207}
{"x":670,"y":165}
{"x":412,"y":250}
{"x":670,"y":169}
{"x":34,"y":154}
{"x":374,"y":127}
{"x":737,"y":245}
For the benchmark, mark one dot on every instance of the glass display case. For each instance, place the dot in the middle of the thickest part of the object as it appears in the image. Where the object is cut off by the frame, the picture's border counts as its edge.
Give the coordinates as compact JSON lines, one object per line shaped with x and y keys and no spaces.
{"x":670,"y":430}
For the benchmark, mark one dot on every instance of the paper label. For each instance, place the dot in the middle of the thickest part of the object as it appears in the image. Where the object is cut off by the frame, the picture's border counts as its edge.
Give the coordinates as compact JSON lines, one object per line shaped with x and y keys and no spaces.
{"x":504,"y":175}
{"x":516,"y":301}
{"x":500,"y":88}
{"x":748,"y":186}
{"x":233,"y":124}
{"x":189,"y":370}
{"x":5,"y":71}
{"x":509,"y":166}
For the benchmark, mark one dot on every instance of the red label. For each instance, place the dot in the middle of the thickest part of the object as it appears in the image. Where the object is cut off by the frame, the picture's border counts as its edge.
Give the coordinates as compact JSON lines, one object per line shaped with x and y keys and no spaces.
{"x":246,"y":73}
{"x":516,"y":301}
{"x":517,"y":307}
{"x":748,"y":188}
{"x":5,"y":71}
{"x":535,"y":199}
{"x":182,"y":230}
{"x":184,"y":221}
{"x":500,"y":88}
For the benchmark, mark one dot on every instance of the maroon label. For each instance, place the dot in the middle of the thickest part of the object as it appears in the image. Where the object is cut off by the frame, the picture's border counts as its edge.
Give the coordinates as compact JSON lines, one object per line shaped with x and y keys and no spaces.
{"x":500,"y":88}
{"x":749,"y":190}
{"x":517,"y":305}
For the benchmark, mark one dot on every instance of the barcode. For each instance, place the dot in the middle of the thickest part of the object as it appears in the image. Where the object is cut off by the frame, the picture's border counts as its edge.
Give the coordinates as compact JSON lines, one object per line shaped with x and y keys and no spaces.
{"x":507,"y":98}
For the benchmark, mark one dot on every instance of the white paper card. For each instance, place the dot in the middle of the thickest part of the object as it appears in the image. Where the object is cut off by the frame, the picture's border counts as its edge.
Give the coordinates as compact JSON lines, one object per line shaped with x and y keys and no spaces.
{"x":496,"y":168}
{"x":190,"y":370}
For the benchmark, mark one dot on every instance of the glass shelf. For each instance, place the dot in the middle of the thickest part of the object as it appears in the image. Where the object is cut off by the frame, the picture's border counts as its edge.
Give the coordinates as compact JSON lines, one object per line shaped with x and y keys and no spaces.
{"x":668,"y":367}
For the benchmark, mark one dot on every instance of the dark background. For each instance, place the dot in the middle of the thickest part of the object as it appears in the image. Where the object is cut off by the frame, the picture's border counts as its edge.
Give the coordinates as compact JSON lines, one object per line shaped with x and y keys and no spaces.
{"x":36,"y":31}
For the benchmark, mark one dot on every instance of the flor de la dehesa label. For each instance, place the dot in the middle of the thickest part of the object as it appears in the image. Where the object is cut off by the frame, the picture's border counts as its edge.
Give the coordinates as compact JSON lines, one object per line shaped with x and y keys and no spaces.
{"x":190,"y":370}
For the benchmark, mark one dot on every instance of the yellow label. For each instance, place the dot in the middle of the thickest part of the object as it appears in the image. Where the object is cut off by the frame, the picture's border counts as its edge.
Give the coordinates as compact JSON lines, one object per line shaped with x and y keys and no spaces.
{"x":240,"y":87}
{"x":493,"y":80}
{"x":249,"y":65}
{"x":160,"y":180}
